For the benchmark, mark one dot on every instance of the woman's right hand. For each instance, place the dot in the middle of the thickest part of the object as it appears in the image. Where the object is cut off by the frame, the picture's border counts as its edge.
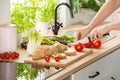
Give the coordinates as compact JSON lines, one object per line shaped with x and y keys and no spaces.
{"x":82,"y":32}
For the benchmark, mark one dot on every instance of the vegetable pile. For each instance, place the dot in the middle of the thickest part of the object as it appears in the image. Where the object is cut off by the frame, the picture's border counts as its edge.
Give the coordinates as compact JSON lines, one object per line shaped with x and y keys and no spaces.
{"x":40,"y":40}
{"x":64,"y":39}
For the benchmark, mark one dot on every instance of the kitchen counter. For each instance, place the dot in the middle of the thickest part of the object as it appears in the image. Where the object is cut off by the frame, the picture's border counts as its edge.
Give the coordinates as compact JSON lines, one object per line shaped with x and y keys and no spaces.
{"x":97,"y":54}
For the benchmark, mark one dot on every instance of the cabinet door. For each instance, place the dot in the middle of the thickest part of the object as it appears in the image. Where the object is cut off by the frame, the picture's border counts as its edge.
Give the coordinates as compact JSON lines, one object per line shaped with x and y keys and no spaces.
{"x":108,"y":65}
{"x":114,"y":66}
{"x":95,"y":71}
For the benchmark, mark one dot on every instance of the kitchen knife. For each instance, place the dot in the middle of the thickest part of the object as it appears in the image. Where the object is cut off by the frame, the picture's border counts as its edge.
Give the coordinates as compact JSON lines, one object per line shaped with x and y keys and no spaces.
{"x":85,"y":40}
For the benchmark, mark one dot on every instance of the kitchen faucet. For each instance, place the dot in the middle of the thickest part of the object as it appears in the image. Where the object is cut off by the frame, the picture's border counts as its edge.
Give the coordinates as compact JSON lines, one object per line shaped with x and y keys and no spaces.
{"x":56,"y":26}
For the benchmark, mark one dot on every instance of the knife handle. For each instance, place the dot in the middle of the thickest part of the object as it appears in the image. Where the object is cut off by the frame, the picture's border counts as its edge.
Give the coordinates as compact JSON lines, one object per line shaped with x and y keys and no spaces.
{"x":106,"y":34}
{"x":97,"y":36}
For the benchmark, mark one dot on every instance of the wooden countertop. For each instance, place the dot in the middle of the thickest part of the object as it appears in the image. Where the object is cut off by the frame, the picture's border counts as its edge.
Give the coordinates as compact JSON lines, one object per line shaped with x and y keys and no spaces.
{"x":106,"y":49}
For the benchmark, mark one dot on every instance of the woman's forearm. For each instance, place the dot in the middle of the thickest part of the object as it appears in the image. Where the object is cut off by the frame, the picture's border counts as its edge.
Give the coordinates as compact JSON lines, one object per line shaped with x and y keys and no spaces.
{"x":107,"y":9}
{"x":113,"y":26}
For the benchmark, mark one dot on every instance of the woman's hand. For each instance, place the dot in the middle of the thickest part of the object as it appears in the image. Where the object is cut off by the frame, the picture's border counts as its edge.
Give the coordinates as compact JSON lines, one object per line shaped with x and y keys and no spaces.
{"x":98,"y":32}
{"x":82,"y":32}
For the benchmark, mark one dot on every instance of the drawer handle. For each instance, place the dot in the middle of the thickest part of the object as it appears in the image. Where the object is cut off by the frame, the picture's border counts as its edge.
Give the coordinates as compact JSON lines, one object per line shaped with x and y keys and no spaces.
{"x":96,"y":74}
{"x":112,"y":78}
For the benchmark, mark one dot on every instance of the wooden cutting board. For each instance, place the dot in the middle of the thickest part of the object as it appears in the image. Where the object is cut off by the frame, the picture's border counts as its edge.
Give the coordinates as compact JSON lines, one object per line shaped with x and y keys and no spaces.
{"x":63,"y":62}
{"x":25,"y":58}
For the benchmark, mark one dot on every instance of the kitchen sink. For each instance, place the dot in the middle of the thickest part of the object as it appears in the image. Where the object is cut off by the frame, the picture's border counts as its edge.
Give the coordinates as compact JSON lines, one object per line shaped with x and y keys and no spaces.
{"x":104,"y":39}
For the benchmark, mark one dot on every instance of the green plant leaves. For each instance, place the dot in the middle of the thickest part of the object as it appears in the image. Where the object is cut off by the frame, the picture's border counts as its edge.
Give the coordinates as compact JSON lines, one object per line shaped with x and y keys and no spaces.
{"x":23,"y":13}
{"x":23,"y":16}
{"x":93,"y":5}
{"x":46,"y":14}
{"x":74,"y":5}
{"x":90,"y":4}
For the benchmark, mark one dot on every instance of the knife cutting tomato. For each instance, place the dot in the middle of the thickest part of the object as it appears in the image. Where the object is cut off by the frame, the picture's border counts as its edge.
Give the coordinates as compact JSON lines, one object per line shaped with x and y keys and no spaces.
{"x":88,"y":44}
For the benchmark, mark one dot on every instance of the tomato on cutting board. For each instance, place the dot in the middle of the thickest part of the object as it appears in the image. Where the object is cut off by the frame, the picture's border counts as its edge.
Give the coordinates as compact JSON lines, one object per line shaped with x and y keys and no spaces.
{"x":78,"y":47}
{"x":57,"y":58}
{"x":57,"y":68}
{"x":88,"y":44}
{"x":97,"y":43}
{"x":47,"y":67}
{"x":47,"y":58}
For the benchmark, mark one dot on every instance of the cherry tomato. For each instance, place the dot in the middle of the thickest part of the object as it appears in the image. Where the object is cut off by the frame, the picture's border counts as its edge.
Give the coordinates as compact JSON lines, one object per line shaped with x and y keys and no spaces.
{"x":98,"y":40}
{"x":2,"y":56}
{"x":57,"y":68}
{"x":16,"y":54}
{"x":57,"y":58}
{"x":78,"y":47}
{"x":47,"y":58}
{"x":88,"y":44}
{"x":7,"y":55}
{"x":13,"y":56}
{"x":97,"y":43}
{"x":47,"y":67}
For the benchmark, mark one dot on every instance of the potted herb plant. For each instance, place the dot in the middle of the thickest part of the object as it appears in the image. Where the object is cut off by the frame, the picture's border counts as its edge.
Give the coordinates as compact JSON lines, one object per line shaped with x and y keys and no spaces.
{"x":45,"y":15}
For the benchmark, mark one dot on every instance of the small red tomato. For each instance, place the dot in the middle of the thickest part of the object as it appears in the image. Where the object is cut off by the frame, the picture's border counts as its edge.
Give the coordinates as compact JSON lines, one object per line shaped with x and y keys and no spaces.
{"x":2,"y":56}
{"x":88,"y":44}
{"x":78,"y":47}
{"x":96,"y":43}
{"x":16,"y":54}
{"x":13,"y":56}
{"x":97,"y":40}
{"x":47,"y":58}
{"x":57,"y":58}
{"x":47,"y":67}
{"x":7,"y":55}
{"x":57,"y":68}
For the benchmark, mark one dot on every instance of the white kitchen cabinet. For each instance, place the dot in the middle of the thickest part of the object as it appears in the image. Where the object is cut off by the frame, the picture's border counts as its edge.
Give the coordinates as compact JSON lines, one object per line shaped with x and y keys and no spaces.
{"x":107,"y":68}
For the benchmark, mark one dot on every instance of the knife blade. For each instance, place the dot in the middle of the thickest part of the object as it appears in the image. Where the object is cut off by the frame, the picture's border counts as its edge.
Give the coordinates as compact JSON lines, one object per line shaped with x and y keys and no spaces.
{"x":86,"y":39}
{"x":83,"y":41}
